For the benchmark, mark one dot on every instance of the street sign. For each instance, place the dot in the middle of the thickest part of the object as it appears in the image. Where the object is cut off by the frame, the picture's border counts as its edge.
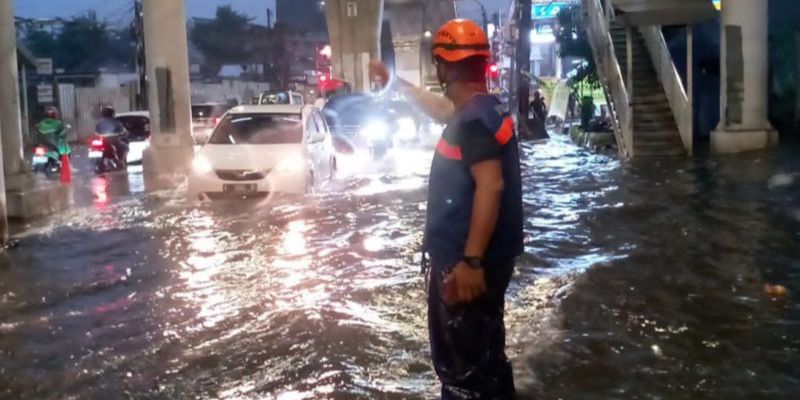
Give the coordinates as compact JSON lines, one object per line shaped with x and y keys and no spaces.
{"x":547,"y":11}
{"x":44,"y":66}
{"x":44,"y":93}
{"x":352,"y":9}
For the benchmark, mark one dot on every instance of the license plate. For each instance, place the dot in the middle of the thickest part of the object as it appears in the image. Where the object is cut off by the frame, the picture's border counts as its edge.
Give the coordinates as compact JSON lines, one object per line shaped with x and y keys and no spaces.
{"x":39,"y":160}
{"x":95,"y":154}
{"x":240,"y":188}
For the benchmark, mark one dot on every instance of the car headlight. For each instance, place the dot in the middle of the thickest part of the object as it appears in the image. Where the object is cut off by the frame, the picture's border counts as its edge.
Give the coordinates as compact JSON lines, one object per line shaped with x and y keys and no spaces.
{"x":201,"y":165}
{"x":375,"y":130}
{"x":406,"y":128}
{"x":291,"y":163}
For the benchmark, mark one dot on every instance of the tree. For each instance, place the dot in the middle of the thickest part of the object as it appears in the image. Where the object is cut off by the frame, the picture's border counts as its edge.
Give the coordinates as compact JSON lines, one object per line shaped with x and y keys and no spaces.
{"x":223,"y":40}
{"x":573,"y":41}
{"x":84,"y":44}
{"x":41,"y":43}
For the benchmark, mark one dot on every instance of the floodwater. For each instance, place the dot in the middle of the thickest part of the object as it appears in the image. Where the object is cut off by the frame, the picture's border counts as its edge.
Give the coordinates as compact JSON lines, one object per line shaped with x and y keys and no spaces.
{"x":640,"y":280}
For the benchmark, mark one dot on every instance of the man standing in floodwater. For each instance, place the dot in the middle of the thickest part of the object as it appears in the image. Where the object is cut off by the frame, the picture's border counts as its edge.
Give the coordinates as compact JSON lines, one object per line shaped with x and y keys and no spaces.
{"x":473,"y":231}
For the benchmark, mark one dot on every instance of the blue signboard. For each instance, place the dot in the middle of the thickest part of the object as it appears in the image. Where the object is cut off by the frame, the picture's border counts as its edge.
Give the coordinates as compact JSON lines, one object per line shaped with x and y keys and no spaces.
{"x":547,"y":11}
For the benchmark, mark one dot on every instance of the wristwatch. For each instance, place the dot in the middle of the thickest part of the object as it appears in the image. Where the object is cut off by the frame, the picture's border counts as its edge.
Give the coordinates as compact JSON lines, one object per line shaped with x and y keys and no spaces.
{"x":473,"y":262}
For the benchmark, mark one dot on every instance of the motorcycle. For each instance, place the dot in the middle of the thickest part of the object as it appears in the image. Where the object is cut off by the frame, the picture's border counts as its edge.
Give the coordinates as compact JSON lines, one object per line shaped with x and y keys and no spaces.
{"x":105,"y":155}
{"x":47,"y":155}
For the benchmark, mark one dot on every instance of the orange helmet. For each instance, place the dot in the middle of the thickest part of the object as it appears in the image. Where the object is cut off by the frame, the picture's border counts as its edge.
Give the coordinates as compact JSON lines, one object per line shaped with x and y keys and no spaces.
{"x":459,"y":39}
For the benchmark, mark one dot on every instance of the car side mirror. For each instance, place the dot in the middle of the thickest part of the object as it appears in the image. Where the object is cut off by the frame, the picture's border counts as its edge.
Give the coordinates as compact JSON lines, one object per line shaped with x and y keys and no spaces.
{"x":317,"y":137}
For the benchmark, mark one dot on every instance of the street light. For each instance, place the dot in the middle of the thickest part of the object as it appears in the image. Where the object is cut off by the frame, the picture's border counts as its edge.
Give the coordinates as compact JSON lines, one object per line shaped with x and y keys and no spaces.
{"x":428,"y":34}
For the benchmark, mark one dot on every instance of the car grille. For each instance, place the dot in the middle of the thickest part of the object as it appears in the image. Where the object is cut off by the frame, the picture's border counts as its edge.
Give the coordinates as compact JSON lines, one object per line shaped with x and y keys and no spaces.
{"x":240,"y":175}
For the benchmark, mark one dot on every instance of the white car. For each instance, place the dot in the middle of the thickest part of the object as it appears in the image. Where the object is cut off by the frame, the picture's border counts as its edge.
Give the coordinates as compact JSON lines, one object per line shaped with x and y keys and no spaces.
{"x":137,"y":123}
{"x":257,"y":150}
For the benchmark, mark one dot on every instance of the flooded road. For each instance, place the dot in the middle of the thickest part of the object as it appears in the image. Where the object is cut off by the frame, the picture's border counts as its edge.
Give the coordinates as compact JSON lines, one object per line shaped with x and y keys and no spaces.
{"x":640,"y":281}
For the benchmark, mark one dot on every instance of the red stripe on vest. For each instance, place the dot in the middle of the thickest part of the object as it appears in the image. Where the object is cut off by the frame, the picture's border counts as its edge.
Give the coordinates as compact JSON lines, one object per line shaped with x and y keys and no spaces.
{"x":506,"y":131}
{"x":447,"y":150}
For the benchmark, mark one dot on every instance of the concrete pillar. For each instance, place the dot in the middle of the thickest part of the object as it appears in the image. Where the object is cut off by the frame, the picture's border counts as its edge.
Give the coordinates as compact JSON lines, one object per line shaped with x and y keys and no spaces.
{"x":8,"y":55}
{"x":10,"y":117}
{"x":354,"y":27}
{"x":744,"y":87}
{"x":171,"y":146}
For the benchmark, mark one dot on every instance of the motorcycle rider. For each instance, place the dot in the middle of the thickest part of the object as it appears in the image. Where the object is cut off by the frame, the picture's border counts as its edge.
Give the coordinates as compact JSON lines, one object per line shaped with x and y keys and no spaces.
{"x":114,"y":133}
{"x":52,"y":135}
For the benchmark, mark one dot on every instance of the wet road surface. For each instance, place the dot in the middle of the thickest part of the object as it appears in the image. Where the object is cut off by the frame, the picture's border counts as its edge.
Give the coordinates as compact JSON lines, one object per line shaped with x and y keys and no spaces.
{"x":640,"y":281}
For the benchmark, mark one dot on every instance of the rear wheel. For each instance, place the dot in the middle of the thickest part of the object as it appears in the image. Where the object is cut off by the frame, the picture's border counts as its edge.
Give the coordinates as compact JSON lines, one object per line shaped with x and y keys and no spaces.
{"x":100,"y":166}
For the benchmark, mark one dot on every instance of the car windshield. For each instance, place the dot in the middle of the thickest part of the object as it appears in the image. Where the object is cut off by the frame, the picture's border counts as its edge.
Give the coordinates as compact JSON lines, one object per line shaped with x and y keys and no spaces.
{"x":207,"y":111}
{"x":275,"y":98}
{"x":258,"y":129}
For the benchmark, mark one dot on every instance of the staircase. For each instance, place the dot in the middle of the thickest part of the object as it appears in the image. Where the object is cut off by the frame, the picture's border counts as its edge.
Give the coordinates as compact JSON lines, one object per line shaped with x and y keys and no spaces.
{"x":655,"y":133}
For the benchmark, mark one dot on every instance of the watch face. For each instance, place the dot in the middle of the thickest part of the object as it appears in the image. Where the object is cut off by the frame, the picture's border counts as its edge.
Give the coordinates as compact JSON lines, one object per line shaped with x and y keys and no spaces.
{"x":474,"y":262}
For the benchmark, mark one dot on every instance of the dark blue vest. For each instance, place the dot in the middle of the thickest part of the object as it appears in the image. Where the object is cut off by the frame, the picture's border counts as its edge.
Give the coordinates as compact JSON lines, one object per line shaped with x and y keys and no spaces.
{"x":452,"y":188}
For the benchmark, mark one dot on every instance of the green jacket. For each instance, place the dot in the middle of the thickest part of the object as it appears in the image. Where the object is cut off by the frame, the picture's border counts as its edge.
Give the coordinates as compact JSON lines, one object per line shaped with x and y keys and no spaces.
{"x":52,"y":131}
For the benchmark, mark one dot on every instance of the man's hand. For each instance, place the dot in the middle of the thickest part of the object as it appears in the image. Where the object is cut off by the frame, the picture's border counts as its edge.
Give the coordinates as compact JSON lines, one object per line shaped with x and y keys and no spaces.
{"x":378,"y":73}
{"x":466,"y":284}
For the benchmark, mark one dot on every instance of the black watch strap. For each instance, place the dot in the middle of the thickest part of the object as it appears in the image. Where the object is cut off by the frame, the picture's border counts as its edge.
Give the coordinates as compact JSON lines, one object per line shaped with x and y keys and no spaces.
{"x":473,"y":262}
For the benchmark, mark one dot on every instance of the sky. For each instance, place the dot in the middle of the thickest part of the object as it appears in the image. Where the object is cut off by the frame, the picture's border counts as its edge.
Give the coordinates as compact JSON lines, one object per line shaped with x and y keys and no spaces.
{"x":118,"y":12}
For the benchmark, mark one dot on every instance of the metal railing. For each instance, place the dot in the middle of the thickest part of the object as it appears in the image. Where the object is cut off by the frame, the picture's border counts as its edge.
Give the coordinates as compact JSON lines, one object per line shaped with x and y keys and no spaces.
{"x":670,"y":78}
{"x":599,"y":14}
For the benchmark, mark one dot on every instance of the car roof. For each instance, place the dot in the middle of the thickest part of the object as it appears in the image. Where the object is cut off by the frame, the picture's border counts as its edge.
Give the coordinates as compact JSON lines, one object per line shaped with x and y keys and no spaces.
{"x":268,"y":109}
{"x":133,"y":114}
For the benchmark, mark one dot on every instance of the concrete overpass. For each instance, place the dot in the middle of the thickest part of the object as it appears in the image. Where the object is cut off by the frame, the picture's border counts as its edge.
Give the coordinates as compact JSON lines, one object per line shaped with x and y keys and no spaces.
{"x":355,"y":28}
{"x":409,"y":20}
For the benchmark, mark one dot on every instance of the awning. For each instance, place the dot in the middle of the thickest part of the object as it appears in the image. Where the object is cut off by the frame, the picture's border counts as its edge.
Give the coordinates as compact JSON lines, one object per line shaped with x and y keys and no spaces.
{"x":664,"y":12}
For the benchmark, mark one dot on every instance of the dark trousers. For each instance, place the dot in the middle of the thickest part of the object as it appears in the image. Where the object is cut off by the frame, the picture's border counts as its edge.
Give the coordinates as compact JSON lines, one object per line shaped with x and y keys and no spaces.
{"x":468,"y":340}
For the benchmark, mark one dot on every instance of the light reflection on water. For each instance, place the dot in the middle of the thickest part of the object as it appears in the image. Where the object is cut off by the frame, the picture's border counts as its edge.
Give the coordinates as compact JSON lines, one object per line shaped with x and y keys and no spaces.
{"x":637,"y":282}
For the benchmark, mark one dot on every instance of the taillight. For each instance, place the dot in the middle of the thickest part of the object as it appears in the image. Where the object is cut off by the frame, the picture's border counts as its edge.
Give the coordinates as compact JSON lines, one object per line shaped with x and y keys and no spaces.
{"x":214,"y":121}
{"x":39,"y":151}
{"x":97,"y":142}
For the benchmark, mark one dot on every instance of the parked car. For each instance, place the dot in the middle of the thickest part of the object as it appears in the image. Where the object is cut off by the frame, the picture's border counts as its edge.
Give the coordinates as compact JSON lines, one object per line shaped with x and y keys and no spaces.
{"x":257,"y":150}
{"x":285,"y":97}
{"x":137,"y":123}
{"x":204,"y":118}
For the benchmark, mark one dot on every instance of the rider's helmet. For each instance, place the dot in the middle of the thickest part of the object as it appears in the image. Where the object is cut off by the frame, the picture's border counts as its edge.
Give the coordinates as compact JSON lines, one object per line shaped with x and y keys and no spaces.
{"x":51,"y":112}
{"x":108,"y":112}
{"x":459,"y":39}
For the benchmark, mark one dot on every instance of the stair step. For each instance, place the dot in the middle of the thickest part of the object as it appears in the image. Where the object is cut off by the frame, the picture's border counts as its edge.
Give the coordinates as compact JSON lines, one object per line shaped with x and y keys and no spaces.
{"x":649,"y":134}
{"x":651,"y":100}
{"x":658,"y":151}
{"x":656,"y":127}
{"x":654,"y":138}
{"x":646,"y":97}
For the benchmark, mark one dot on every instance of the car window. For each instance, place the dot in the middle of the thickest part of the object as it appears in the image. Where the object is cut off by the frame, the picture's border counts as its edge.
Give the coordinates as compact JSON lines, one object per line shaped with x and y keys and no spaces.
{"x":275,"y":98}
{"x":138,"y":127}
{"x":258,"y":129}
{"x":297,"y":99}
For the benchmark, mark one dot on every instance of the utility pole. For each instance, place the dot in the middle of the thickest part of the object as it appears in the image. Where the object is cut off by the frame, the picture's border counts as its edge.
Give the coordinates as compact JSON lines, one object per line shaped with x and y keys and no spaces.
{"x":483,"y":14}
{"x":523,"y":65}
{"x":141,"y":60}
